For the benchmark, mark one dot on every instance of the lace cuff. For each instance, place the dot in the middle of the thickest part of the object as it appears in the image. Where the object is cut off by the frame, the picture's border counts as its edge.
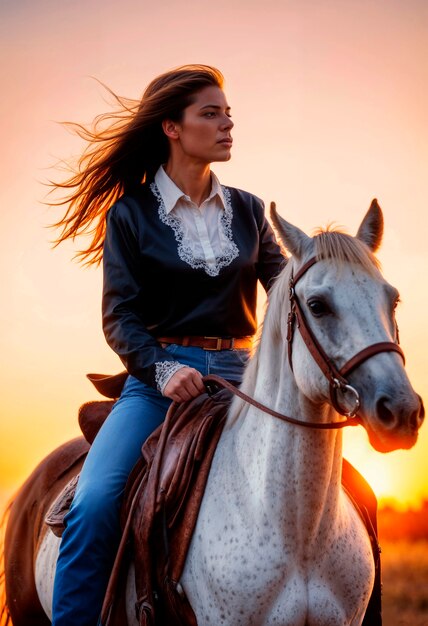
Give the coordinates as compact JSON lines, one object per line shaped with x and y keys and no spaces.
{"x":164,"y":372}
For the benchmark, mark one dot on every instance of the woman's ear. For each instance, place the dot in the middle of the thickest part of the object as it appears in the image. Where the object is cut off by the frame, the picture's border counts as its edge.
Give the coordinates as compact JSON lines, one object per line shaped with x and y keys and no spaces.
{"x":170,"y":129}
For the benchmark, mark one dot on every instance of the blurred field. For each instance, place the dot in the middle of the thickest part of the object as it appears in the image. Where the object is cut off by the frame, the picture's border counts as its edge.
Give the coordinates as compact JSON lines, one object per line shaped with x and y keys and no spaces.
{"x":405,"y":583}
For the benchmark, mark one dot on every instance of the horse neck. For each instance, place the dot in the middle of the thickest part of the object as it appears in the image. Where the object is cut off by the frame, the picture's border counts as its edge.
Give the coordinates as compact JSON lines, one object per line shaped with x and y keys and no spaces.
{"x":295,"y":471}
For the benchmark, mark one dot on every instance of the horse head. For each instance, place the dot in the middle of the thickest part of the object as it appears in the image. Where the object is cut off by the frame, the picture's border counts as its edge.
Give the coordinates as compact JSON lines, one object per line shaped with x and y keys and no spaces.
{"x":346,"y":353}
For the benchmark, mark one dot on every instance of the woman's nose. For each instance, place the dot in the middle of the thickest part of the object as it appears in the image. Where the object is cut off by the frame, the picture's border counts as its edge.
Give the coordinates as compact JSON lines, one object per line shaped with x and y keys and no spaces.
{"x":227,"y":123}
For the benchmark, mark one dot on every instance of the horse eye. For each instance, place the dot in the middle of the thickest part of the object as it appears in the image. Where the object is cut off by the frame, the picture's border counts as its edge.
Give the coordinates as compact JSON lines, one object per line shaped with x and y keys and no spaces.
{"x":318,"y":308}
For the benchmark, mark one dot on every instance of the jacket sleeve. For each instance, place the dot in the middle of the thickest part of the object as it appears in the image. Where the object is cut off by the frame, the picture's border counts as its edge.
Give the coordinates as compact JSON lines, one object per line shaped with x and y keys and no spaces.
{"x":271,"y":260}
{"x":123,"y":302}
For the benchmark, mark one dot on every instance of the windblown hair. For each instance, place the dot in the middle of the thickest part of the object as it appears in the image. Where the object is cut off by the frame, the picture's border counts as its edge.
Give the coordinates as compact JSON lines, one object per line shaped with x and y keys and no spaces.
{"x":125,"y":148}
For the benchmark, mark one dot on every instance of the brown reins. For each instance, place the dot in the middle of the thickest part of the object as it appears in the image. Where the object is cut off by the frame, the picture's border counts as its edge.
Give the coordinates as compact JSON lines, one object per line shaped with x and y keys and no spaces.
{"x":336,"y":378}
{"x":217,"y":380}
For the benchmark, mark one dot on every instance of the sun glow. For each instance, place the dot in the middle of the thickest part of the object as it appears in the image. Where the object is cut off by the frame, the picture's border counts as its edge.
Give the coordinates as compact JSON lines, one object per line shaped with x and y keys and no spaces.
{"x":329,"y":101}
{"x":379,"y":478}
{"x":387,"y":474}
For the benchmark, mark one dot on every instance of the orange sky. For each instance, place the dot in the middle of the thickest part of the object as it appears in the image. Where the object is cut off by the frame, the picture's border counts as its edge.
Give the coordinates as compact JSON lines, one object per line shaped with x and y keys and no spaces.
{"x":329,"y":99}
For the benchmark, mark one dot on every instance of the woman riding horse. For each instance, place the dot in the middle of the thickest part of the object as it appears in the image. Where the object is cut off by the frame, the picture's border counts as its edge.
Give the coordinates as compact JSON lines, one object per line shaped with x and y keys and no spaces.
{"x":182,"y":255}
{"x":278,"y":537}
{"x":284,"y":533}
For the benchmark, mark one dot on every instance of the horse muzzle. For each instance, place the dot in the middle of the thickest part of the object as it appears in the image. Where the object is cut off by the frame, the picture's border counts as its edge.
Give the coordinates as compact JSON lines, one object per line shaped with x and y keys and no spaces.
{"x":394,"y":421}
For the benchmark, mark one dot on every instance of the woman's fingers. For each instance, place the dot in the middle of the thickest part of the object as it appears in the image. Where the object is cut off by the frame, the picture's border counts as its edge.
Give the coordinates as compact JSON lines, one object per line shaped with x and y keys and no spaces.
{"x":184,"y":385}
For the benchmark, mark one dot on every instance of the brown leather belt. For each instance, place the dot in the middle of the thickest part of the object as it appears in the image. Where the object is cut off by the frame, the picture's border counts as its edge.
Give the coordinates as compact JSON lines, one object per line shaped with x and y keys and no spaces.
{"x":210,"y":343}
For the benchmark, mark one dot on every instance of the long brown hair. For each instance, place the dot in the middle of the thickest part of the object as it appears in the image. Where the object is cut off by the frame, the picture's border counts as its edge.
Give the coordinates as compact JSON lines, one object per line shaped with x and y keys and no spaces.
{"x":125,"y":147}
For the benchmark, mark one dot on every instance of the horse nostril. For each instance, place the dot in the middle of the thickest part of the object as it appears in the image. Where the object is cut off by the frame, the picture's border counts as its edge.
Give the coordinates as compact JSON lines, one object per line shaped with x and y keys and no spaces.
{"x":420,"y":414}
{"x":383,"y":413}
{"x":421,"y":408}
{"x":409,"y":417}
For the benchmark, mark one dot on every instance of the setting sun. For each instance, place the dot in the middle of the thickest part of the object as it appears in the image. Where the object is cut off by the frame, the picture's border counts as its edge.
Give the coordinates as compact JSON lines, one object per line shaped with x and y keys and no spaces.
{"x":377,"y":476}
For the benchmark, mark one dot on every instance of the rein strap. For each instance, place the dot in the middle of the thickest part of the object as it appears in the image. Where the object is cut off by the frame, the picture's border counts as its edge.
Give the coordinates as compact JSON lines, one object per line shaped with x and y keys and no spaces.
{"x":217,"y":380}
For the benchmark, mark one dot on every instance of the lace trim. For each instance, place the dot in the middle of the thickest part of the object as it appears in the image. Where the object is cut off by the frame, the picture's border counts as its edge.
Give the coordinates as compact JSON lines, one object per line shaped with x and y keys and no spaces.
{"x":164,"y":372}
{"x":184,"y":249}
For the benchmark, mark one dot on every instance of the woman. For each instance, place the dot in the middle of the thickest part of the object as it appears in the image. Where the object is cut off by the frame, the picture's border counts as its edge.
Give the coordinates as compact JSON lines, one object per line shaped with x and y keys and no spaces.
{"x":181,"y":259}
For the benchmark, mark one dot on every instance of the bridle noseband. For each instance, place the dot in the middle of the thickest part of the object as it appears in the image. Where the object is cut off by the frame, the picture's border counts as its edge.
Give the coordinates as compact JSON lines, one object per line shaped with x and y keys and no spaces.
{"x":336,"y":378}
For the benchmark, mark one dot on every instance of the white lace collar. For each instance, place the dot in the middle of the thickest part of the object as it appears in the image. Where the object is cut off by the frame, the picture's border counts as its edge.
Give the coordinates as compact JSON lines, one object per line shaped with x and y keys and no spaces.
{"x":184,"y":247}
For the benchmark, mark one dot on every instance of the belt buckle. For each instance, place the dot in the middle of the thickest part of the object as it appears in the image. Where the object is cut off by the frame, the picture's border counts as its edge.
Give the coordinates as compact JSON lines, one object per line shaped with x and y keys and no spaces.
{"x":218,"y":346}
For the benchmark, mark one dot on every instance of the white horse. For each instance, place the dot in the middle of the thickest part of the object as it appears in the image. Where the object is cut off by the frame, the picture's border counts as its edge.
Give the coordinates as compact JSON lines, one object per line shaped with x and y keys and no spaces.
{"x":277,"y":541}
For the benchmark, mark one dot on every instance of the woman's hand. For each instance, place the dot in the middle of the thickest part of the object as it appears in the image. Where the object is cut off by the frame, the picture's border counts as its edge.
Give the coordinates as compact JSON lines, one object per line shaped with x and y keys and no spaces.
{"x":184,"y":385}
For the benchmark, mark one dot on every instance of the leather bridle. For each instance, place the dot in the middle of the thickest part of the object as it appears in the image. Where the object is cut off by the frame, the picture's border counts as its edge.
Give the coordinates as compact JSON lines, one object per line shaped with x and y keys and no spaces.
{"x":336,"y":378}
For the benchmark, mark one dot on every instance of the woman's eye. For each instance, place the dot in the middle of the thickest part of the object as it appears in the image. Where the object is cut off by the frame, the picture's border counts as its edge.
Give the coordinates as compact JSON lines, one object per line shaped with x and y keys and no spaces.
{"x":210,"y":114}
{"x":318,"y":308}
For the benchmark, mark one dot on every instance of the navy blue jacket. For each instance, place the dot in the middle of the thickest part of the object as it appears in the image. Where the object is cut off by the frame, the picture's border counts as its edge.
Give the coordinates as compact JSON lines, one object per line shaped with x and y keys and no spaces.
{"x":149,"y":291}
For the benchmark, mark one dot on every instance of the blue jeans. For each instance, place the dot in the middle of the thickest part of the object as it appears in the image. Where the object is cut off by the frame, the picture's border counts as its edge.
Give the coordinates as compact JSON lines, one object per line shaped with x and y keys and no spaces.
{"x":92,"y":531}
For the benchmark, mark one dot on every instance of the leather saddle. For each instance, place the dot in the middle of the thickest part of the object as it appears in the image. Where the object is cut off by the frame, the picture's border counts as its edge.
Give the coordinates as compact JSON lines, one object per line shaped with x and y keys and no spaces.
{"x":162,"y":501}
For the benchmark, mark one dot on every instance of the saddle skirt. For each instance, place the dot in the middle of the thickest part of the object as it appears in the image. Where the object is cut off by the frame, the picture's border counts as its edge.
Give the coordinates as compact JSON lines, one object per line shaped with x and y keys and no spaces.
{"x":161,"y":506}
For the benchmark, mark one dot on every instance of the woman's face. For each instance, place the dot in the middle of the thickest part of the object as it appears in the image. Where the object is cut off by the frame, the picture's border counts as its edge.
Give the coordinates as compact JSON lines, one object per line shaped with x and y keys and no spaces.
{"x":203,"y":135}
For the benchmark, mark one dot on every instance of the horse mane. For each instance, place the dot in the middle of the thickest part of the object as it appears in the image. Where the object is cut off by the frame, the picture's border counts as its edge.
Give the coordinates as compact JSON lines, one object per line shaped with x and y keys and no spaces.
{"x":273,"y":327}
{"x":341,"y":248}
{"x":330,"y":243}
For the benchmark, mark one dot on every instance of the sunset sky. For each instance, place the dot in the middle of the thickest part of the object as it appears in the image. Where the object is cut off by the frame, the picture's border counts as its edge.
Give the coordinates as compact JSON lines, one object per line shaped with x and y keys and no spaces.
{"x":330,"y":104}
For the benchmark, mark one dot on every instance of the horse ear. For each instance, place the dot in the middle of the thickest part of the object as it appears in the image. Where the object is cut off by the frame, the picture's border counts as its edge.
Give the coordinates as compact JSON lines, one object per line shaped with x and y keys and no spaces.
{"x":294,"y":239}
{"x":371,"y":228}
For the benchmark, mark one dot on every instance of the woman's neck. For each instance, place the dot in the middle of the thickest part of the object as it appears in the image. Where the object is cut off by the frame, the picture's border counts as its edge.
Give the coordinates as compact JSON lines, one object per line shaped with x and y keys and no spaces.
{"x":193,"y":180}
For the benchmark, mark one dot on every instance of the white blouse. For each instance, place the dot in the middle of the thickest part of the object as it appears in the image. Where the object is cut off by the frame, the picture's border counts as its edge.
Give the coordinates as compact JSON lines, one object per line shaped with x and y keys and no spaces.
{"x":203,"y":233}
